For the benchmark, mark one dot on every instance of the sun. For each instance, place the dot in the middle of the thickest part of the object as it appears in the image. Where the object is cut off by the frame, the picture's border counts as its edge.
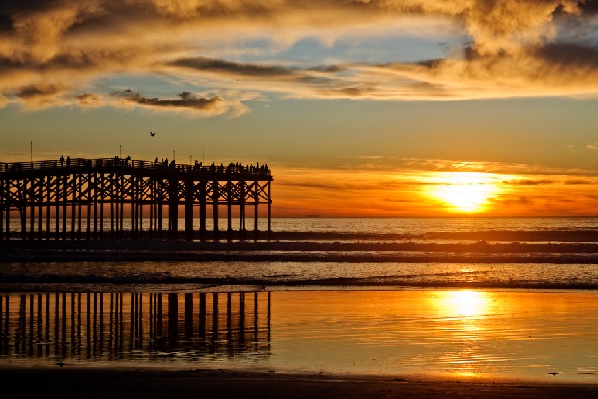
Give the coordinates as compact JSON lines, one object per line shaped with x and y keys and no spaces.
{"x":463,"y":192}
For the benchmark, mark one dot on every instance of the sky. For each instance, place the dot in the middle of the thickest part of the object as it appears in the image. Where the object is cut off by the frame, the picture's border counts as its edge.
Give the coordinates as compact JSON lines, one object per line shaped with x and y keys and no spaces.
{"x":378,"y":108}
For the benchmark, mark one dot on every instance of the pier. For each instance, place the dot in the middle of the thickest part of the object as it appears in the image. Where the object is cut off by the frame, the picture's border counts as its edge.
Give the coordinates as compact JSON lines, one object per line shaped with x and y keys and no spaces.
{"x":120,"y":198}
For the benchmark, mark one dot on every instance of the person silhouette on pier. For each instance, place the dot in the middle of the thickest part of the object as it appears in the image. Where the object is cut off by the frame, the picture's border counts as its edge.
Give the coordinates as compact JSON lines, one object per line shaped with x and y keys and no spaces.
{"x":61,"y":160}
{"x":68,"y":161}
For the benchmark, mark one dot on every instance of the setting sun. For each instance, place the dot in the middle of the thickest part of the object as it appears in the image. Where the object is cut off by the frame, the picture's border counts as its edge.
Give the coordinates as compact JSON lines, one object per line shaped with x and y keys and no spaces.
{"x":463,"y":192}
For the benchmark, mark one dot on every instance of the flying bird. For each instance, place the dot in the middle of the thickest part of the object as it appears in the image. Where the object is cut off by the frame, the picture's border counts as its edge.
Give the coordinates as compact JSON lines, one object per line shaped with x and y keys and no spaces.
{"x":153,"y":134}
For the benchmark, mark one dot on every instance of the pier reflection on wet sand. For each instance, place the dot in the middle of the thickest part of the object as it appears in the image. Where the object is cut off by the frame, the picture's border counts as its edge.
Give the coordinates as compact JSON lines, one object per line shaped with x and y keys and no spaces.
{"x":139,"y":327}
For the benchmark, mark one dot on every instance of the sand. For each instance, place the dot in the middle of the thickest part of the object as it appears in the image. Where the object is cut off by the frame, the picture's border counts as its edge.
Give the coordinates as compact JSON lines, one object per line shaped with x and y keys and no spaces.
{"x":69,"y":382}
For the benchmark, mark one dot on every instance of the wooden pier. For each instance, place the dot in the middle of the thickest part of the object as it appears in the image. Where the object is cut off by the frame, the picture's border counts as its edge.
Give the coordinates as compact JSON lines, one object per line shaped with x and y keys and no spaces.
{"x":90,"y":199}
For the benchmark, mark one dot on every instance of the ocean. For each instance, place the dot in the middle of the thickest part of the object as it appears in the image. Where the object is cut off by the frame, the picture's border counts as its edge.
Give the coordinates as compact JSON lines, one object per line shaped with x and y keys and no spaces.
{"x":467,"y":296}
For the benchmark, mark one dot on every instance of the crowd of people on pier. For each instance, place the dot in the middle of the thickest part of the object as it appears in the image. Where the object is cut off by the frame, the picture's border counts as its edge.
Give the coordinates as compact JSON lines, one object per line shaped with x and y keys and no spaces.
{"x":232,"y":168}
{"x":67,"y":162}
{"x":199,"y":166}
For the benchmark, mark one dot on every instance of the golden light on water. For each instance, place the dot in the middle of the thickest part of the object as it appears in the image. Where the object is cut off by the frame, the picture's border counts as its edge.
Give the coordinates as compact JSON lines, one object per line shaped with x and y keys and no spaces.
{"x":463,"y":192}
{"x":464,"y":303}
{"x":465,"y":316}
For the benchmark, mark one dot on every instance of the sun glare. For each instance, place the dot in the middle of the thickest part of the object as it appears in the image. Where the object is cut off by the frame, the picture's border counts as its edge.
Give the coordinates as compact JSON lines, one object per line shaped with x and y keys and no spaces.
{"x":463,"y":192}
{"x":464,"y":303}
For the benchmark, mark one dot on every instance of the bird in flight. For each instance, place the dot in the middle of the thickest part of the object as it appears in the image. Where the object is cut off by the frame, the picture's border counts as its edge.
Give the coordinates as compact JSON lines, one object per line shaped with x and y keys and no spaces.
{"x":153,"y":134}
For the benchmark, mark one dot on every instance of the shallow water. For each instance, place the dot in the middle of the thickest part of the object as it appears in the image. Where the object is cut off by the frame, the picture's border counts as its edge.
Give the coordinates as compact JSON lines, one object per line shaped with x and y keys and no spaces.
{"x":176,"y":276}
{"x":513,"y":334}
{"x":538,"y":335}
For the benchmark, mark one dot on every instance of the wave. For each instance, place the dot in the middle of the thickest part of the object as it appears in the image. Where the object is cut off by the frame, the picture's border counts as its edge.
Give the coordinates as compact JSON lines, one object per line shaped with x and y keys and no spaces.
{"x":290,"y":260}
{"x":301,"y":251}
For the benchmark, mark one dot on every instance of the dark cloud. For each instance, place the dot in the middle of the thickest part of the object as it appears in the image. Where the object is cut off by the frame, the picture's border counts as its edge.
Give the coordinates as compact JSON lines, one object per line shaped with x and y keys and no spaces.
{"x":41,"y":95}
{"x":578,"y":182}
{"x":9,"y":64}
{"x":314,"y":77}
{"x":328,"y":68}
{"x":569,"y":54}
{"x":10,"y":8}
{"x":41,"y":90}
{"x":185,"y":100}
{"x":5,"y":23}
{"x":79,"y":62}
{"x":543,"y":182}
{"x":233,"y":68}
{"x":89,"y":100}
{"x":349,"y":91}
{"x":589,"y":7}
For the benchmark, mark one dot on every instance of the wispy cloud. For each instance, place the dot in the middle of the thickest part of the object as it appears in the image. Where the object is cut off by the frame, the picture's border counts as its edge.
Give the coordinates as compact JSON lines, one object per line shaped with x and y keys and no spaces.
{"x":593,"y":147}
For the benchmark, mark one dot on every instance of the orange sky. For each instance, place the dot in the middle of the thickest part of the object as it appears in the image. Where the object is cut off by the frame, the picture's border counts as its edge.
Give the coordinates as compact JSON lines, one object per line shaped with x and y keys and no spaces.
{"x":394,"y":194}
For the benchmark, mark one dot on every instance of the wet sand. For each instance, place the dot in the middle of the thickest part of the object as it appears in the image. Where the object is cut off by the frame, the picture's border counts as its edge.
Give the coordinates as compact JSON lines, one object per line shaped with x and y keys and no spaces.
{"x":66,"y":382}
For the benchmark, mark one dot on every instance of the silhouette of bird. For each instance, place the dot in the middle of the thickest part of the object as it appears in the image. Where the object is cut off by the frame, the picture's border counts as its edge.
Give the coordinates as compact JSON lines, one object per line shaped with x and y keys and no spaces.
{"x":153,"y":134}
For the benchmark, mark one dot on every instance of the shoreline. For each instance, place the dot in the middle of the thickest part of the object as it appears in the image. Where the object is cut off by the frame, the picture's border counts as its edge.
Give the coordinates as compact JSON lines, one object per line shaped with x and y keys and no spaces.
{"x":148,"y":383}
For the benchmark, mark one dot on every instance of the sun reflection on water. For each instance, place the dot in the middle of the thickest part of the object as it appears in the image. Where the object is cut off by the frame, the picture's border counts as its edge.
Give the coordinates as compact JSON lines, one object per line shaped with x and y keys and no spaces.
{"x":463,"y":303}
{"x":463,"y":317}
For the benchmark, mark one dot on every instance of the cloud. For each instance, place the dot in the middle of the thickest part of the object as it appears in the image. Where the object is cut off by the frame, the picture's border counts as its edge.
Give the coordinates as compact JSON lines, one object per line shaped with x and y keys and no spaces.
{"x":513,"y":48}
{"x":34,"y":91}
{"x":186,"y":101}
{"x":593,"y":147}
{"x":578,"y":182}
{"x":234,"y":68}
{"x":43,"y":95}
{"x":529,"y":182}
{"x":89,"y":100}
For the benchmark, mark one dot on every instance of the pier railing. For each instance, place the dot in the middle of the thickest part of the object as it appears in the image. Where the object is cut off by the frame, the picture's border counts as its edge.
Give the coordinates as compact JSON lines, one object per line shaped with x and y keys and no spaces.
{"x":79,"y":163}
